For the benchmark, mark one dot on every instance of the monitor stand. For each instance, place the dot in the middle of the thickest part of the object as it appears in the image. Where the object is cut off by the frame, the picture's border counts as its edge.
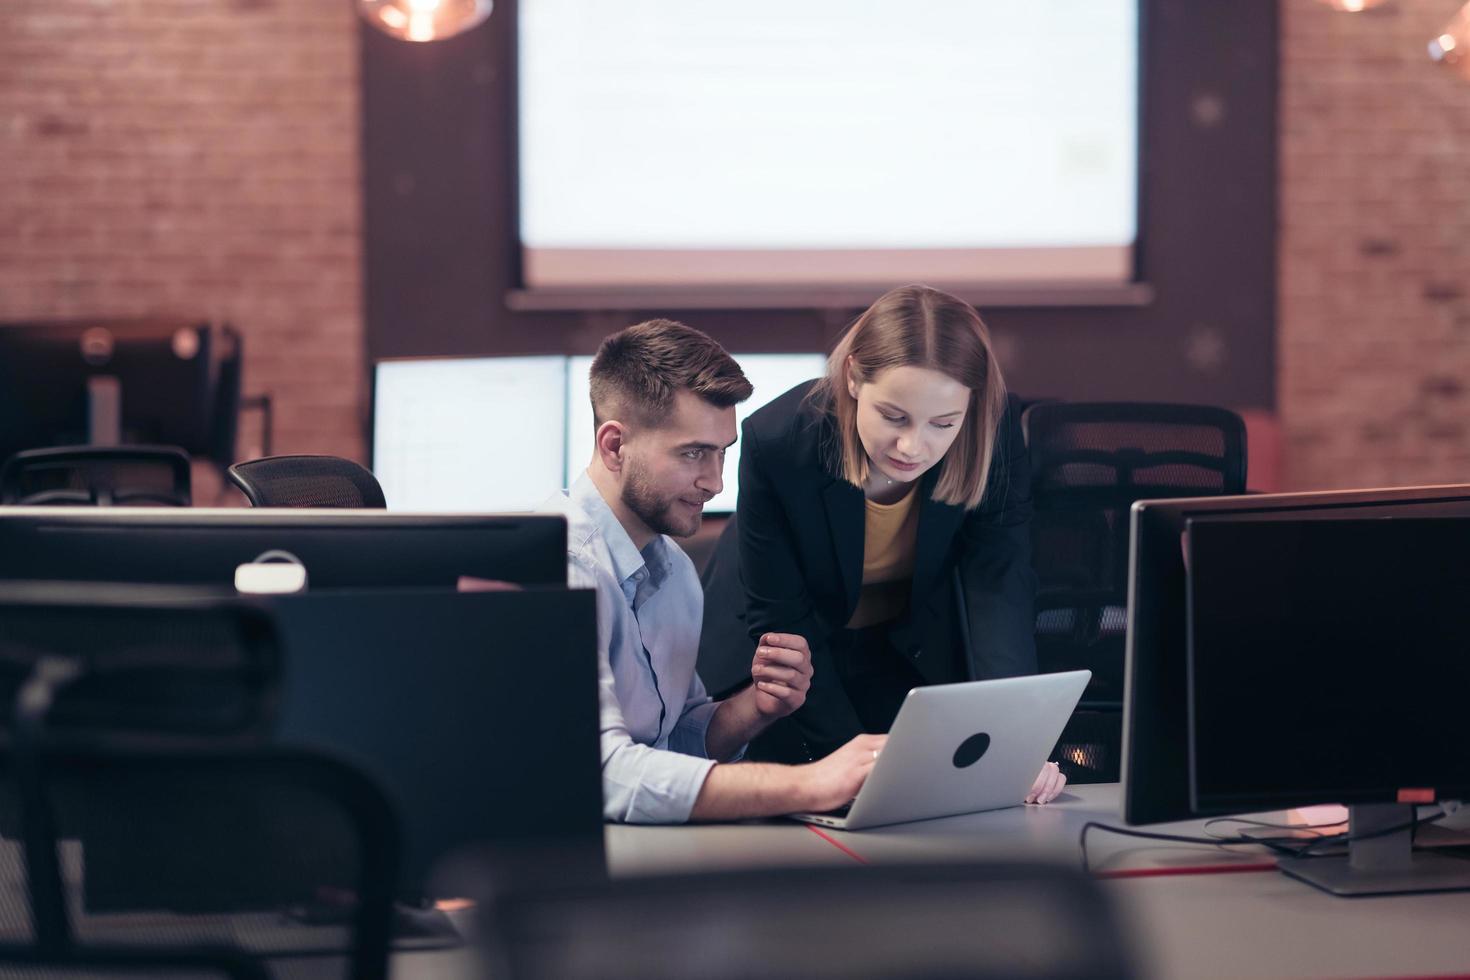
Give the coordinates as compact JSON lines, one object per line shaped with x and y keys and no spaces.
{"x":104,"y":410}
{"x":1386,"y":865}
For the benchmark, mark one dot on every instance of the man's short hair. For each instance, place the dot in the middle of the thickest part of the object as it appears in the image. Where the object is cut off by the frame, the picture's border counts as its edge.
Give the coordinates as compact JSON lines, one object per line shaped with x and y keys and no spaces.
{"x":638,"y":370}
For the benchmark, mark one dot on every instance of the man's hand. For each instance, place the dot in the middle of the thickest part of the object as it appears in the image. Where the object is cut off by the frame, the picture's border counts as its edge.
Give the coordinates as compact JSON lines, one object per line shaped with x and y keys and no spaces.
{"x":1048,"y":785}
{"x":763,"y":789}
{"x":829,"y":783}
{"x":782,"y":671}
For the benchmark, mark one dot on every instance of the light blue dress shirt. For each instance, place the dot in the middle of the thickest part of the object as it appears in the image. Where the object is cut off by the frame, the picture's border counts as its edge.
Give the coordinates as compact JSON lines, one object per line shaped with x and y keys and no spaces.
{"x":654,"y":709}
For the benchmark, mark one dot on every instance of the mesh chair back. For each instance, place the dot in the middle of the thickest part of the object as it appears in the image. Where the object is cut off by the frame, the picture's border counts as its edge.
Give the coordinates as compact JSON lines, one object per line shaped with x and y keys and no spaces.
{"x":137,"y":476}
{"x":307,"y":481}
{"x":1089,"y":463}
{"x":185,"y":671}
{"x":893,"y":921}
{"x":173,"y":825}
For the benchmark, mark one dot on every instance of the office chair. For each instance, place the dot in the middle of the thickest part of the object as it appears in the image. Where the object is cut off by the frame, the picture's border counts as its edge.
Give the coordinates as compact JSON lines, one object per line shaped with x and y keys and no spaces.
{"x":897,"y":922}
{"x":135,"y":476}
{"x":154,"y":818}
{"x":1089,"y":463}
{"x":307,"y":481}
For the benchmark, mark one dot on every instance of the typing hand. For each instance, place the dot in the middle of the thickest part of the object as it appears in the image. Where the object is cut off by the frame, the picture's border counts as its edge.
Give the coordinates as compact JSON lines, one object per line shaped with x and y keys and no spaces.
{"x":830,"y":782}
{"x":1048,"y":785}
{"x":782,"y":671}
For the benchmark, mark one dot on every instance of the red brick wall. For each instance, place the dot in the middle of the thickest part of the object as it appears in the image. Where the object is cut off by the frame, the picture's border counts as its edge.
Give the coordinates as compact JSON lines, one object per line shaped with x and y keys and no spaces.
{"x":1374,"y":325}
{"x":194,"y":157}
{"x":200,"y":157}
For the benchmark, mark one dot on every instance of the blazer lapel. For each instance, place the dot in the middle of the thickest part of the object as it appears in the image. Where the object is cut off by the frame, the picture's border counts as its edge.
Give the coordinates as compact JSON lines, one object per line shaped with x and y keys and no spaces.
{"x":843,"y":503}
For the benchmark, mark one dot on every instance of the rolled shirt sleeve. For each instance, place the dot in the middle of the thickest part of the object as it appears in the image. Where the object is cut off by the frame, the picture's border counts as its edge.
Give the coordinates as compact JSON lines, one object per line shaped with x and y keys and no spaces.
{"x":641,"y":783}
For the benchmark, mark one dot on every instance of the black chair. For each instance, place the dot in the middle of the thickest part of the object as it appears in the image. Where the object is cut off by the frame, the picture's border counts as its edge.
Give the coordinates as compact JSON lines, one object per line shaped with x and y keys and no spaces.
{"x":1089,"y":463}
{"x":155,"y":821}
{"x":897,"y":922}
{"x":137,"y":476}
{"x":307,"y":481}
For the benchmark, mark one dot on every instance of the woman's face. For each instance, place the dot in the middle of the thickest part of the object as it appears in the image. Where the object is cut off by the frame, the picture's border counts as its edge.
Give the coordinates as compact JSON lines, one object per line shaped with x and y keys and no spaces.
{"x":907,"y":418}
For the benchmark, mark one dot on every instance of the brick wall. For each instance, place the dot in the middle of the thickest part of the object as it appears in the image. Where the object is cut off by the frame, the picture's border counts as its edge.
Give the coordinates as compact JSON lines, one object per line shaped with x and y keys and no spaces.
{"x":200,"y":157}
{"x":194,"y":157}
{"x":1374,"y":324}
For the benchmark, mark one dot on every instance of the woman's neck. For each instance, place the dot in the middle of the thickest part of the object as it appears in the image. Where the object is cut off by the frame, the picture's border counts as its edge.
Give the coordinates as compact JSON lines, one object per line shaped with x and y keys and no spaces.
{"x":882,"y":489}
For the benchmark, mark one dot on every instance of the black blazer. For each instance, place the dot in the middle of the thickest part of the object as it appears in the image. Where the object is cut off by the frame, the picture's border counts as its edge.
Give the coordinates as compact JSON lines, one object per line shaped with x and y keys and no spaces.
{"x":801,"y":531}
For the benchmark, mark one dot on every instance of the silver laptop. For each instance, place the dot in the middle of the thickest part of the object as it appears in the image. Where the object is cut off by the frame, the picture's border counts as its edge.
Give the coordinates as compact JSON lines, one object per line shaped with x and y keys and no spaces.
{"x":960,"y":748}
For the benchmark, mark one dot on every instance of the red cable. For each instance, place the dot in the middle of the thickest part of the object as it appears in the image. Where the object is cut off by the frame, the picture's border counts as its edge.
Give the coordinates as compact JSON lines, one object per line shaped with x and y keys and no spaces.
{"x":840,"y":846}
{"x":1193,"y":869}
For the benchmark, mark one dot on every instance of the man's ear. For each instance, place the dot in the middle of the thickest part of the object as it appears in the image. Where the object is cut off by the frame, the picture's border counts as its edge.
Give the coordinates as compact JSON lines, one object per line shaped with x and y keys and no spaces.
{"x":611,"y":437}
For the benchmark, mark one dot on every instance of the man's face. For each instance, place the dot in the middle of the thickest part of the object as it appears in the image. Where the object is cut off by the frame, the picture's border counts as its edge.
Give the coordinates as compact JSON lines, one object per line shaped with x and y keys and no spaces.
{"x":672,"y":471}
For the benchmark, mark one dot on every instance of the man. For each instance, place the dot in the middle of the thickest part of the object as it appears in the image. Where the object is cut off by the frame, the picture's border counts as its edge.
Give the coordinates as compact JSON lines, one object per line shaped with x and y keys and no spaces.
{"x":663,"y":401}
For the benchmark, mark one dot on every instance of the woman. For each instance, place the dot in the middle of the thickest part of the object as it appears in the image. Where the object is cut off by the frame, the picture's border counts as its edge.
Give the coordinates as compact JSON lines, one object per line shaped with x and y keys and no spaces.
{"x":865,"y":496}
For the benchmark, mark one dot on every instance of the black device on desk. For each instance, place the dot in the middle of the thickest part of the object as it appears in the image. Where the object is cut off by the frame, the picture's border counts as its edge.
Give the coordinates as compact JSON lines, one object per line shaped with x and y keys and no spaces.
{"x":1155,"y":707}
{"x":409,"y":641}
{"x":1327,"y":664}
{"x":477,"y":712}
{"x":340,"y":549}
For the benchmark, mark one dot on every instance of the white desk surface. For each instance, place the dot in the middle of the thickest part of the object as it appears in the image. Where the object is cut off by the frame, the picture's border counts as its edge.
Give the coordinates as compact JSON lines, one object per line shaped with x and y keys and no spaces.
{"x":1245,"y":923}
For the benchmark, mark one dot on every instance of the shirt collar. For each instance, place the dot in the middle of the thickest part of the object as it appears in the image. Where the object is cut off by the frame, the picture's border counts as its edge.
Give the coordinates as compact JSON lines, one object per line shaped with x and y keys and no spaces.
{"x":626,"y":559}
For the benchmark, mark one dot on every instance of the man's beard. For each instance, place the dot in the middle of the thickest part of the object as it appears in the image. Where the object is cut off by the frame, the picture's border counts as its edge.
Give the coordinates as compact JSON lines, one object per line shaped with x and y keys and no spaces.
{"x":656,"y":512}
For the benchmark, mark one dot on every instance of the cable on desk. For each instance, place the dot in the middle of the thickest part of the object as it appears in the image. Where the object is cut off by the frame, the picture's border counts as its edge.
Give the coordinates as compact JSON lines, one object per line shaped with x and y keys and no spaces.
{"x":1312,"y":827}
{"x":1411,"y":826}
{"x":1286,"y":845}
{"x":1154,"y":835}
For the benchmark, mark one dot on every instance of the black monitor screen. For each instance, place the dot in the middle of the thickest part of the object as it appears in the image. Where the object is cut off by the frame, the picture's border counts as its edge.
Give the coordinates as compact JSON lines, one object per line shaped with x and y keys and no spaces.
{"x":176,"y":382}
{"x":1329,"y":661}
{"x":340,"y":549}
{"x":1155,"y":735}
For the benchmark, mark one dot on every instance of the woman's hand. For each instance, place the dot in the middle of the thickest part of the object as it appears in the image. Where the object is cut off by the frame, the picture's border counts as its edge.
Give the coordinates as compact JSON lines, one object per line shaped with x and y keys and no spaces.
{"x":782,"y":671}
{"x":1048,"y":785}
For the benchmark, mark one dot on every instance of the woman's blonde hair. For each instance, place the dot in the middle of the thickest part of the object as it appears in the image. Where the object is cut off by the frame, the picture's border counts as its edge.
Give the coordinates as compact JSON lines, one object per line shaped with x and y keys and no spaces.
{"x":916,"y":326}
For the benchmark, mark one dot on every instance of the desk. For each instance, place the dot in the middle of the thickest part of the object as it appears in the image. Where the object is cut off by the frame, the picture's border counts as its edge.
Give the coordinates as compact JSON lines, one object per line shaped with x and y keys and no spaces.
{"x":1237,"y":921}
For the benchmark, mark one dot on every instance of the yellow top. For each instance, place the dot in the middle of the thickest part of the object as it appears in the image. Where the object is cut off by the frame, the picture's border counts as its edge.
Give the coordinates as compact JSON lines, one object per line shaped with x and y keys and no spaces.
{"x":890,"y":538}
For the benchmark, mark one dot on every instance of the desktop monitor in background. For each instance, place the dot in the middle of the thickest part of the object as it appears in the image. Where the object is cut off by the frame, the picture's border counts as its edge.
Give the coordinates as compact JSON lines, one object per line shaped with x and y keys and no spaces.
{"x":340,"y":549}
{"x":162,"y":382}
{"x":772,"y":375}
{"x":1155,"y":699}
{"x":1327,"y":664}
{"x":469,"y":434}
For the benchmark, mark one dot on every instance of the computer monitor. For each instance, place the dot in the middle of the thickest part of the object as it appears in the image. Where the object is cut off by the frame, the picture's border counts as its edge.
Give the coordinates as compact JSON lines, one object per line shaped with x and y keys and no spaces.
{"x":428,"y":692}
{"x":168,"y":382}
{"x":772,"y":375}
{"x":469,"y":434}
{"x":1155,"y":764}
{"x":476,"y":713}
{"x":339,"y":548}
{"x":1326,"y":664}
